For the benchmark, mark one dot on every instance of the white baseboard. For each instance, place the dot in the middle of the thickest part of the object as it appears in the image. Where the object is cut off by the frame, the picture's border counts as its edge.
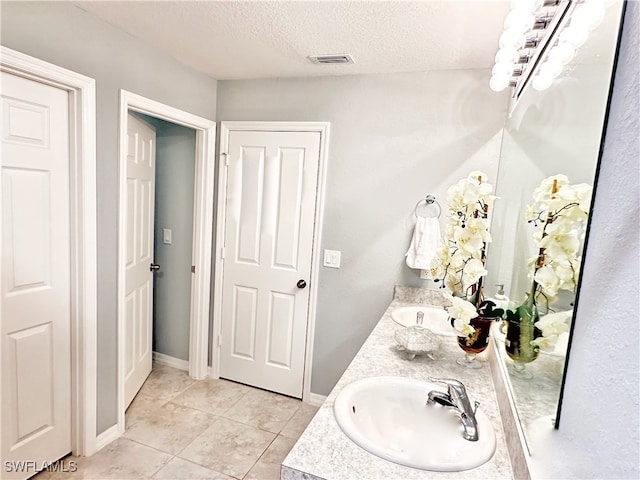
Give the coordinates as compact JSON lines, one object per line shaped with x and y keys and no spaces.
{"x":316,"y":399}
{"x":171,"y":361}
{"x":106,"y":437}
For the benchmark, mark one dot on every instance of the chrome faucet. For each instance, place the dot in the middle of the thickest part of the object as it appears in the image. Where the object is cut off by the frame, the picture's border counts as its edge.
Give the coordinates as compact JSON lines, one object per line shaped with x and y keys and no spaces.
{"x":457,"y":399}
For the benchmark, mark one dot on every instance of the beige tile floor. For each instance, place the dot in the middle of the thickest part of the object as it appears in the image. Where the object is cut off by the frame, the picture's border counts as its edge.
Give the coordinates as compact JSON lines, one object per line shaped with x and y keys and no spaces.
{"x":180,"y":428}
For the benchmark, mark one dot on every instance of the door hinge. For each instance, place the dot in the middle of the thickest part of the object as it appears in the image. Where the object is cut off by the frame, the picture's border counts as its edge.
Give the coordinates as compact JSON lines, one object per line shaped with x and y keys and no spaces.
{"x":222,"y":253}
{"x":226,"y":159}
{"x":193,"y":269}
{"x":219,"y":341}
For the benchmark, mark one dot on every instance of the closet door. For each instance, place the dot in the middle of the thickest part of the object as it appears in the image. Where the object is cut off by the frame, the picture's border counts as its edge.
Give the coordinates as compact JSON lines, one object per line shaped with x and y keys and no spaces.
{"x":36,"y":318}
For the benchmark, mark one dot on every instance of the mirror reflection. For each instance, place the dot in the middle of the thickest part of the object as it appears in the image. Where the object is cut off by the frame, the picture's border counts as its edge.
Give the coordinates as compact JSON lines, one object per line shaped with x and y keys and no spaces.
{"x":551,"y":134}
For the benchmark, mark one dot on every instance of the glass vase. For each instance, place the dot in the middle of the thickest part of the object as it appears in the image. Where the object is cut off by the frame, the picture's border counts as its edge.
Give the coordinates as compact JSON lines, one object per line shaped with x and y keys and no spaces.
{"x":476,"y":342}
{"x":521,"y":331}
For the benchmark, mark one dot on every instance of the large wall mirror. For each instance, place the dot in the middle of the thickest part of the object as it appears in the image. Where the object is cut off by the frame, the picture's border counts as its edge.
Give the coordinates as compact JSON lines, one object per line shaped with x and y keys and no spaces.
{"x":550,"y":132}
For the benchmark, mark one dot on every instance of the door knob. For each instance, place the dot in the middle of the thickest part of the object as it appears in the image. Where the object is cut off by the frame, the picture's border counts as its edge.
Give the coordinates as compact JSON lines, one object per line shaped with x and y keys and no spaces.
{"x":154,"y":267}
{"x":301,"y":284}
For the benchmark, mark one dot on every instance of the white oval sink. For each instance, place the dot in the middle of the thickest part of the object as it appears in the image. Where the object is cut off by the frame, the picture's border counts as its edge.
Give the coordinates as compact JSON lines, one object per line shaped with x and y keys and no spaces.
{"x":435,"y":319}
{"x":389,"y":417}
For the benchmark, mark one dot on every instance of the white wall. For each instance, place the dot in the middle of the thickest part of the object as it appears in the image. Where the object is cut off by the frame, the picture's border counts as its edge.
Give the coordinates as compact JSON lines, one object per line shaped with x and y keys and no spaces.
{"x":394,"y":139}
{"x":63,"y":34}
{"x":599,"y":435}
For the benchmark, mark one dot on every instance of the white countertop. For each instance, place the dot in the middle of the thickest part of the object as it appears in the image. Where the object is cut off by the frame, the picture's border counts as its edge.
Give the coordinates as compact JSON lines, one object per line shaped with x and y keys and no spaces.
{"x":323,"y":451}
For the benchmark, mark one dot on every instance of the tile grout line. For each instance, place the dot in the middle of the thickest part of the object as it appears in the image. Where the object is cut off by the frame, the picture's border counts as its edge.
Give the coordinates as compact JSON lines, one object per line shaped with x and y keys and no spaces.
{"x":260,"y":456}
{"x":214,"y":416}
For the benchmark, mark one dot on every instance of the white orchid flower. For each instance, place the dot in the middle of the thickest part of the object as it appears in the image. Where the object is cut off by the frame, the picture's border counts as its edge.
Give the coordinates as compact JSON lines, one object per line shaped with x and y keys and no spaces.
{"x":454,"y":285}
{"x":548,"y":280}
{"x":455,"y":197}
{"x":466,"y":234}
{"x":560,"y":247}
{"x":564,"y":271}
{"x":575,"y":193}
{"x":531,"y":213}
{"x":457,"y":260}
{"x":563,"y":216}
{"x":463,"y":329}
{"x":546,"y":185}
{"x":555,"y":331}
{"x":555,"y":323}
{"x":544,"y":343}
{"x":479,"y":226}
{"x":474,"y":269}
{"x":471,"y":194}
{"x":473,"y":176}
{"x":485,"y":190}
{"x":468,"y":242}
{"x":489,"y":200}
{"x":462,"y":310}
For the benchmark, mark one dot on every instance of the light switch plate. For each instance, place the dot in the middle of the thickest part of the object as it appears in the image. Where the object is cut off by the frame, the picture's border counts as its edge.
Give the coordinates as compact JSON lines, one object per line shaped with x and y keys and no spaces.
{"x":332,"y":258}
{"x":166,"y":236}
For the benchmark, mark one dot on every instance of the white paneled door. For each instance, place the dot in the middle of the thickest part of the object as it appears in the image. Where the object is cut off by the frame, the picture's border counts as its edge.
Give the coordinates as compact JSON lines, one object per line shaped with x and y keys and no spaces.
{"x":35,"y":285}
{"x":270,"y":208}
{"x":141,"y":166}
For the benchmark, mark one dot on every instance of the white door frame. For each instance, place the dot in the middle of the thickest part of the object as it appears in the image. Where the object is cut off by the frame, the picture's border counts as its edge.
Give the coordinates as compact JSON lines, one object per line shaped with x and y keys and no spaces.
{"x":323,"y":129}
{"x":82,"y":158}
{"x":202,"y":232}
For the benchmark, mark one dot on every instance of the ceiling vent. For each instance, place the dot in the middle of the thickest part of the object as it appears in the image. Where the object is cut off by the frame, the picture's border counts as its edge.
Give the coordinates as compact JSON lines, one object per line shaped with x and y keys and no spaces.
{"x":333,"y":59}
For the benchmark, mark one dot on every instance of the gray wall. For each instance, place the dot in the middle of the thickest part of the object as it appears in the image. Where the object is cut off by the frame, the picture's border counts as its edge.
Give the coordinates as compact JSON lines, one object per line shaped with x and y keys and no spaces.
{"x":65,"y":35}
{"x":175,"y":172}
{"x":598,"y":435}
{"x":394,"y":139}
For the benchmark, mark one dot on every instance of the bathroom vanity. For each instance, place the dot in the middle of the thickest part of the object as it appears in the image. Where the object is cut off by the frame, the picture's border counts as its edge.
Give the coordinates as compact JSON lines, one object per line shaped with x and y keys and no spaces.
{"x":325,"y":452}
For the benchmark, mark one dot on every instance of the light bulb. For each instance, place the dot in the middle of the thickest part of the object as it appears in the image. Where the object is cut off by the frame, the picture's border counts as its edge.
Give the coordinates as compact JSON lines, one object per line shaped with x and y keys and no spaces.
{"x":575,"y":35}
{"x":542,"y":80}
{"x":588,"y":15}
{"x":519,"y":20}
{"x":563,"y":52}
{"x":552,"y":69}
{"x":499,"y":82}
{"x":507,"y":55}
{"x":503,"y":69}
{"x":553,"y":66}
{"x":512,"y":39}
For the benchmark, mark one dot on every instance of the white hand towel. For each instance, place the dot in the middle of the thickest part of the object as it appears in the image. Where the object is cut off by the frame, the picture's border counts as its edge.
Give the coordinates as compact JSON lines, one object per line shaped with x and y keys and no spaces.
{"x":424,"y":243}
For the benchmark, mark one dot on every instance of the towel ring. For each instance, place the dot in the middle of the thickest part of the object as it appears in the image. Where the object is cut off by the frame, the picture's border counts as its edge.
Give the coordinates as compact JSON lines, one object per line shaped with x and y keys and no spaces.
{"x":429,"y":201}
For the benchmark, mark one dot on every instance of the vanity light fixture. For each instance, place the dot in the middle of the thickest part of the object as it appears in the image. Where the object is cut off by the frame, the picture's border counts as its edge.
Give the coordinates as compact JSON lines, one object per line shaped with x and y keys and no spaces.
{"x":527,"y":30}
{"x":540,"y":37}
{"x":586,"y":16}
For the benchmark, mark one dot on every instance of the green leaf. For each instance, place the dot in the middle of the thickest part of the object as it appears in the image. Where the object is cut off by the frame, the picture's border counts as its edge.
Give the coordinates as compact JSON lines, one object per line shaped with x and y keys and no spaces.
{"x":512,"y":316}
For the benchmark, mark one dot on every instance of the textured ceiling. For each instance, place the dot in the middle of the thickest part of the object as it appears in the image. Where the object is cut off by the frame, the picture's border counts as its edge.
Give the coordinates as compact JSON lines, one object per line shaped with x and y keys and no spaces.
{"x":242,"y":39}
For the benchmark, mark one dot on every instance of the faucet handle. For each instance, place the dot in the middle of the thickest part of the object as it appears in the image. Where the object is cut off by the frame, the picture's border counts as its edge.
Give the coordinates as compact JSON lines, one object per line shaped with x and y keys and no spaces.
{"x":476,"y":404}
{"x":450,"y":382}
{"x":454,"y":386}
